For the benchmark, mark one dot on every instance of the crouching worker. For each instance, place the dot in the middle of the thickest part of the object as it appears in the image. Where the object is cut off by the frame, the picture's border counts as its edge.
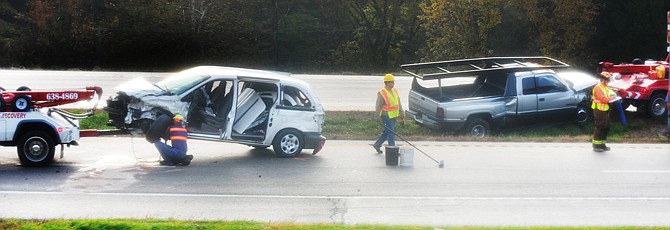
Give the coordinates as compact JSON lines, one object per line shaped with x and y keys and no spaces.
{"x":175,"y":154}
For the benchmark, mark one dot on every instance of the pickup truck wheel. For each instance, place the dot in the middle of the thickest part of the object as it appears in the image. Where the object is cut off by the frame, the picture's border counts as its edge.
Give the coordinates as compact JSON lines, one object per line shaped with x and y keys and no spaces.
{"x":477,"y":127}
{"x":288,"y":143}
{"x":21,"y":103}
{"x":158,"y":128}
{"x":657,"y":108}
{"x":36,"y":148}
{"x":583,"y":115}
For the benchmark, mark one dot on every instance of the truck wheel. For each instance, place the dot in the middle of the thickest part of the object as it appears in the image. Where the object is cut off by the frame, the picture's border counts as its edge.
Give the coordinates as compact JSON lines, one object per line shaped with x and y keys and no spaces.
{"x":288,"y":143}
{"x":584,"y":114}
{"x":656,"y":107}
{"x":23,"y":88}
{"x":36,"y":148}
{"x":21,"y":103}
{"x":158,"y":128}
{"x":477,"y":127}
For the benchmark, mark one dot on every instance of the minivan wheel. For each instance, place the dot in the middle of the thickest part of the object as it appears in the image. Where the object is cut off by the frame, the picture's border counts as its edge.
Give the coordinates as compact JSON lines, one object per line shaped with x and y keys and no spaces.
{"x":288,"y":143}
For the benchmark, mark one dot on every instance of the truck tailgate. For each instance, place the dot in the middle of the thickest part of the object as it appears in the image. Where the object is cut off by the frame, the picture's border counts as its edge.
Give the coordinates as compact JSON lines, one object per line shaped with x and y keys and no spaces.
{"x":422,"y":109}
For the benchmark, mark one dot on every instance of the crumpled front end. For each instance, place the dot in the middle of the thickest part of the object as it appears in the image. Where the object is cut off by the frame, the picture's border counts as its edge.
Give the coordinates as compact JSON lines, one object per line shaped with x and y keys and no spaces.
{"x":138,"y":103}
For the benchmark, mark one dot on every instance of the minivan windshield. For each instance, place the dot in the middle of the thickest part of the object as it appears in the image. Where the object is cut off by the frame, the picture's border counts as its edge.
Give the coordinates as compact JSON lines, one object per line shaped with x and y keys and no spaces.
{"x":182,"y":81}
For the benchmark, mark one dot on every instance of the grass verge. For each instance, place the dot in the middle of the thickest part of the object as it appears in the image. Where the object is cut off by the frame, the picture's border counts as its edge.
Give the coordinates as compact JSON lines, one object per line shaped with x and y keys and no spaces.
{"x":131,"y":224}
{"x":361,"y":125}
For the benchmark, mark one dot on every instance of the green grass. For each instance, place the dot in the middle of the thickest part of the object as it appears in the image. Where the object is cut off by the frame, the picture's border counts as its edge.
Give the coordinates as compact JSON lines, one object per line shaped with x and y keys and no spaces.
{"x":150,"y":224}
{"x":97,"y":121}
{"x":361,"y":125}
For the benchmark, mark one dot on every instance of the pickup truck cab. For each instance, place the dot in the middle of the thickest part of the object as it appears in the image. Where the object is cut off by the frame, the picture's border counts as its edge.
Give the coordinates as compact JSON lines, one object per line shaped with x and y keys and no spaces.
{"x":475,"y":96}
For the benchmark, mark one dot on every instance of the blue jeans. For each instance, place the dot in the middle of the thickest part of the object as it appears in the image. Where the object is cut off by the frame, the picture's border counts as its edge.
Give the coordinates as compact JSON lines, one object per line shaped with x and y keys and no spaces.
{"x":169,"y":153}
{"x":387,"y":134}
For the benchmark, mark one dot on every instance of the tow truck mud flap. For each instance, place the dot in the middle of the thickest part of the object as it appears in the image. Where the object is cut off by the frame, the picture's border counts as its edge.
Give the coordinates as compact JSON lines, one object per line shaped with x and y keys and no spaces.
{"x":89,"y":133}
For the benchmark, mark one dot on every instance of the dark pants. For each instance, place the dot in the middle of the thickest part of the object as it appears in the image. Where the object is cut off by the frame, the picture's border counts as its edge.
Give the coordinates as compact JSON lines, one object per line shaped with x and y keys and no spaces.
{"x":602,"y":127}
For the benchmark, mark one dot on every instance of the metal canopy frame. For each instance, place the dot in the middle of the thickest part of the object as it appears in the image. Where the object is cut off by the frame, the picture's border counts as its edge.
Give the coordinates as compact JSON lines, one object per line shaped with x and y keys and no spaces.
{"x":477,"y":66}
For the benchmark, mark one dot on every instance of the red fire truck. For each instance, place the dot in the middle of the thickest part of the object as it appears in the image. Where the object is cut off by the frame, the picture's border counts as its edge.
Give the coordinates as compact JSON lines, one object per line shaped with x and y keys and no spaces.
{"x":29,"y":121}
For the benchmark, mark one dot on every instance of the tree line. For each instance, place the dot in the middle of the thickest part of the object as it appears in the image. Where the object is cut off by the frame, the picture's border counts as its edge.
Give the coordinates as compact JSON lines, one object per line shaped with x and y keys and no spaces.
{"x":324,"y":36}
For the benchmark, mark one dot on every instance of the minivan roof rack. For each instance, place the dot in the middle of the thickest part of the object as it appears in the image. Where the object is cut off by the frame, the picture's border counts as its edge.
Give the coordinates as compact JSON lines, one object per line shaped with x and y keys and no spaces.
{"x":476,"y":66}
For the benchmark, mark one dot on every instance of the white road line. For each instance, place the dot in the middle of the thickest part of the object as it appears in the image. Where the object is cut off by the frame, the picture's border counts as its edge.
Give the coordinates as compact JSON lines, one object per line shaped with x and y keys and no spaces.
{"x":344,"y":197}
{"x":636,"y":171}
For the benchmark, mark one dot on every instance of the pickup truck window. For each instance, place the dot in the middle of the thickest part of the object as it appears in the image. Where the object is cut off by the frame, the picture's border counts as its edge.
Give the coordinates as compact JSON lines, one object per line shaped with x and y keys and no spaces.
{"x":549,"y":84}
{"x":542,"y":84}
{"x":528,"y":85}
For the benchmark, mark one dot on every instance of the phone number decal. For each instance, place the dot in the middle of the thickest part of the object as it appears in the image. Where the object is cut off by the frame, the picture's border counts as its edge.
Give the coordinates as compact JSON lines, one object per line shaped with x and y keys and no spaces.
{"x":62,"y":96}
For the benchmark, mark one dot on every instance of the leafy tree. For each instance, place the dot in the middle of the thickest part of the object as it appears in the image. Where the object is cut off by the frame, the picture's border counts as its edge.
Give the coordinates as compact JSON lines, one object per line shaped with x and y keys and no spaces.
{"x":384,"y":31}
{"x":560,"y":28}
{"x":458,"y":28}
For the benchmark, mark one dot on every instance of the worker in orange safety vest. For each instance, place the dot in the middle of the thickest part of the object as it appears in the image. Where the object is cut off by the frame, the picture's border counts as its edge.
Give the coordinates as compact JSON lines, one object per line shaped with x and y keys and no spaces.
{"x":602,"y":96}
{"x":175,"y":154}
{"x":387,"y":109}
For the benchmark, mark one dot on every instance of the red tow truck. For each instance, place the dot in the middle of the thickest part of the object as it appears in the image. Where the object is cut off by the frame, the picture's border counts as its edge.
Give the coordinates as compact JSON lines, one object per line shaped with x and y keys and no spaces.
{"x":30,"y":121}
{"x":641,"y":84}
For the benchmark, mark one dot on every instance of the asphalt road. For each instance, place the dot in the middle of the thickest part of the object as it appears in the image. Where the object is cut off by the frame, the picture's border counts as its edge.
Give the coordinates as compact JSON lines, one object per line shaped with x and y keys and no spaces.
{"x":561,"y":184}
{"x":336,"y":92}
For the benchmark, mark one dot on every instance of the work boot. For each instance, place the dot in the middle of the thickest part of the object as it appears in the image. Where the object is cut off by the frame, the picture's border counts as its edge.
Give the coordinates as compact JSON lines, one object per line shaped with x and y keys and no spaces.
{"x":606,"y":148}
{"x":377,"y":148}
{"x":598,"y":149}
{"x":166,"y":163}
{"x":187,"y":160}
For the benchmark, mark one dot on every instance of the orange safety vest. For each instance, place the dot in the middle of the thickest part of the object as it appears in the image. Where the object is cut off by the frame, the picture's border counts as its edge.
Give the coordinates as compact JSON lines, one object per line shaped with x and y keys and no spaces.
{"x":600,"y":99}
{"x":178,"y":133}
{"x":391,"y":102}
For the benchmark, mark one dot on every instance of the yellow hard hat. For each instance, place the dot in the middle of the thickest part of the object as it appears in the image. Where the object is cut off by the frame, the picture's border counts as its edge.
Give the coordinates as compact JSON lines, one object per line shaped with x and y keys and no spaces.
{"x":178,"y":118}
{"x":389,"y":77}
{"x":605,"y":75}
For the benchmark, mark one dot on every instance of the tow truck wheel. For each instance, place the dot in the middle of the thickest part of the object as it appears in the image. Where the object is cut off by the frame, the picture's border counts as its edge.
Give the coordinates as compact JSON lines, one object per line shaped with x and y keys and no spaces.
{"x":657,"y":107}
{"x":23,"y":88}
{"x":36,"y":148}
{"x":21,"y":103}
{"x":288,"y":143}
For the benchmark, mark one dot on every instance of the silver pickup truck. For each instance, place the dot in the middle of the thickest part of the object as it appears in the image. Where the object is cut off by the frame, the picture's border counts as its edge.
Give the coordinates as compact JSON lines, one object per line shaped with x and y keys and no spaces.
{"x":476,"y":96}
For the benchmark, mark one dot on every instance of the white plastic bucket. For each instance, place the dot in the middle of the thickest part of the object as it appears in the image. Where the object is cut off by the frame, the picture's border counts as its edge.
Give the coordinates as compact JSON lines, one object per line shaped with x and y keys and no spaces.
{"x":406,"y":156}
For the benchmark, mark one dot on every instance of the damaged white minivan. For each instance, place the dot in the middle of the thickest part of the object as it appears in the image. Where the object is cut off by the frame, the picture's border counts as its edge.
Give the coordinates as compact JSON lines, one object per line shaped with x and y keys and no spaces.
{"x":253,"y":107}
